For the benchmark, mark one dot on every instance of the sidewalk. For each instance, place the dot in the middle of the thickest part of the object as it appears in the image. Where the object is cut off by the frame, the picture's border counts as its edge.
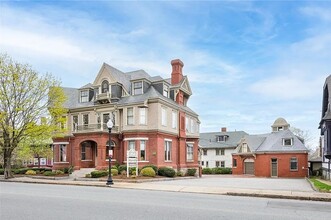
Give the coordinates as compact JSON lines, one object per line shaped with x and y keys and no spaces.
{"x":314,"y":196}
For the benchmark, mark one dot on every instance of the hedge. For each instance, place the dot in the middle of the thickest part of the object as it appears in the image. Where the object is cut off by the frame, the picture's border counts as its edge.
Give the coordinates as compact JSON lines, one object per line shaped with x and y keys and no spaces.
{"x":217,"y":170}
{"x":206,"y":171}
{"x":166,"y":171}
{"x":191,"y":171}
{"x":99,"y":173}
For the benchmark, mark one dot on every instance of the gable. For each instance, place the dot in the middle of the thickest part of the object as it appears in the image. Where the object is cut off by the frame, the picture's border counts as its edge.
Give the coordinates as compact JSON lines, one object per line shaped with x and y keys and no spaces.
{"x":185,"y":86}
{"x":104,"y":74}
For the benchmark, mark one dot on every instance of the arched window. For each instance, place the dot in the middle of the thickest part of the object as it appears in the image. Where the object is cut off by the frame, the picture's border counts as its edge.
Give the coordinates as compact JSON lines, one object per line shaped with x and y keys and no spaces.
{"x":105,"y":87}
{"x":112,"y":145}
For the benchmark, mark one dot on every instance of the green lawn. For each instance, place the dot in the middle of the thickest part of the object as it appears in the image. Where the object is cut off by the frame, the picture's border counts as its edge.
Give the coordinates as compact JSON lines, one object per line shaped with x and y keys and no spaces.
{"x":320,"y":186}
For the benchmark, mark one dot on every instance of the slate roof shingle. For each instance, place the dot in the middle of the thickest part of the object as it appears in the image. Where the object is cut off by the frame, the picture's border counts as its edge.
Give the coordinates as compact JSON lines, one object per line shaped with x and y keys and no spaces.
{"x":208,"y":140}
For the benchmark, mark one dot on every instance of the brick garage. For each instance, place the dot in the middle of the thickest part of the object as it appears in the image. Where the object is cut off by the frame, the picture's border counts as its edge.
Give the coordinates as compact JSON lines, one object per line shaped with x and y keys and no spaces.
{"x":277,"y":154}
{"x":263,"y":165}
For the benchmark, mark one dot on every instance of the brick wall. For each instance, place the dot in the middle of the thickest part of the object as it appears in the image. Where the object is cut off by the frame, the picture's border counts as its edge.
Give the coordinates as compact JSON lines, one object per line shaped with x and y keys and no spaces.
{"x":262,"y":165}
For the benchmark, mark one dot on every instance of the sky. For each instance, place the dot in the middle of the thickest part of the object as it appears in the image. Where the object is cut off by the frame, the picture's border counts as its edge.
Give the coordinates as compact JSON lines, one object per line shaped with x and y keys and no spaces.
{"x":248,"y":62}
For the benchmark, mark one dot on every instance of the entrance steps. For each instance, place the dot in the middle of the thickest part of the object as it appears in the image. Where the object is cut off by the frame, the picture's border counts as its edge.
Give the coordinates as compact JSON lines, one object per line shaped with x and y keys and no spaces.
{"x":81,"y":173}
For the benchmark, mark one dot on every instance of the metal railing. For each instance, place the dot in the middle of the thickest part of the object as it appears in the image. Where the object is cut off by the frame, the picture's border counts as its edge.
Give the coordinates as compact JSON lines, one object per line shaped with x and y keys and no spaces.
{"x":93,"y":128}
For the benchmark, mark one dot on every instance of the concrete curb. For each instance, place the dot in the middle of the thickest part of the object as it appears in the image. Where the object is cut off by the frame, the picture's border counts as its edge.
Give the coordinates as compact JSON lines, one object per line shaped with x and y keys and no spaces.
{"x":308,"y":198}
{"x":183,"y":189}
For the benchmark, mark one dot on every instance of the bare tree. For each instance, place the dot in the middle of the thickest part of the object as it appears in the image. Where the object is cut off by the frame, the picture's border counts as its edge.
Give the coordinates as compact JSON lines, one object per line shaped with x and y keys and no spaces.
{"x":305,"y":136}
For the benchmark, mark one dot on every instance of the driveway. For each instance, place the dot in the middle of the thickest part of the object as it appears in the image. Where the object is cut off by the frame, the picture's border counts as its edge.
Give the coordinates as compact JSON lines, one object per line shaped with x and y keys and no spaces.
{"x":244,"y":182}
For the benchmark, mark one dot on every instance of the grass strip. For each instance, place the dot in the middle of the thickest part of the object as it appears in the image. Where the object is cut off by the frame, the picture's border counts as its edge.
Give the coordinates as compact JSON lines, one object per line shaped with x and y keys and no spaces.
{"x":321,"y":186}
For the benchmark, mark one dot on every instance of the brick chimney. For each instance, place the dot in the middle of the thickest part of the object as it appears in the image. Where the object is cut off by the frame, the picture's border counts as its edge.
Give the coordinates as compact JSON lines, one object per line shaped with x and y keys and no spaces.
{"x":223,"y":129}
{"x":177,"y":74}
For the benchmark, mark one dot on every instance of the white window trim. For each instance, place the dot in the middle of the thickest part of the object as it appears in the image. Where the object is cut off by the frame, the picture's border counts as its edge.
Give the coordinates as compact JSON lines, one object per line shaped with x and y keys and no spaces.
{"x":80,"y":96}
{"x":144,"y":150}
{"x":140,"y":121}
{"x":60,"y":143}
{"x":142,"y":87}
{"x":168,"y":160}
{"x":136,"y":139}
{"x":127,"y":121}
{"x":166,"y":139}
{"x":164,"y":120}
{"x":187,"y":159}
{"x":288,"y":139}
{"x":174,"y":119}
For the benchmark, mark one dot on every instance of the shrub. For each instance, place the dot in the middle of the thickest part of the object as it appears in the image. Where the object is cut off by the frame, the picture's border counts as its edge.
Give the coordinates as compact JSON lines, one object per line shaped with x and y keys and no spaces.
{"x":179,"y":173}
{"x":220,"y":170}
{"x":30,"y":172}
{"x":88,"y":175}
{"x":121,"y":168}
{"x":152,"y":166}
{"x":123,"y":172}
{"x":191,"y":172}
{"x":49,"y":173}
{"x":68,"y":170}
{"x":58,"y":172}
{"x":2,"y":171}
{"x":114,"y":172}
{"x":206,"y":171}
{"x":99,"y":173}
{"x":216,"y":170}
{"x":166,"y":171}
{"x":132,"y":171}
{"x":227,"y":170}
{"x":148,"y":171}
{"x":20,"y":170}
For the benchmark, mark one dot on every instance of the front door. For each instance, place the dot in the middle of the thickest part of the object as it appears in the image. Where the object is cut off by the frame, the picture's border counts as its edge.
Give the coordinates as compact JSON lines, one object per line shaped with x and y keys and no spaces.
{"x":274,"y":167}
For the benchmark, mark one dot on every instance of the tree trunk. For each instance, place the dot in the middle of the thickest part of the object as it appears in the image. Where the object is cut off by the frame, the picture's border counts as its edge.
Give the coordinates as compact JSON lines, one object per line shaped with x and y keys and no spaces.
{"x":7,"y":164}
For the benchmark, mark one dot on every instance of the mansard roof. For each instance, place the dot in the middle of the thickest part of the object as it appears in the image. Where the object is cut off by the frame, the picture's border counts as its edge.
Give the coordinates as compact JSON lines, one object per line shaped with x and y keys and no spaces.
{"x":115,"y":75}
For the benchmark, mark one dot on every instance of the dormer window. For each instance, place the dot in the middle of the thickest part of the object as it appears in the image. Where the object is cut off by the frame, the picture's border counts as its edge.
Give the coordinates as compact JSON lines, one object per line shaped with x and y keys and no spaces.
{"x":244,"y":148}
{"x":84,"y":96}
{"x":221,"y":138}
{"x":137,"y":88}
{"x":104,"y":86}
{"x":287,"y":141}
{"x":166,"y":91}
{"x":280,"y":128}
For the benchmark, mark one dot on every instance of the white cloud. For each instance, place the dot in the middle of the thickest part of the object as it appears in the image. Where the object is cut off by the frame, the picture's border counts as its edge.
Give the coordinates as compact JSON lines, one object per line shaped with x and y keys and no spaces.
{"x":288,"y":87}
{"x":42,"y":44}
{"x":318,"y":12}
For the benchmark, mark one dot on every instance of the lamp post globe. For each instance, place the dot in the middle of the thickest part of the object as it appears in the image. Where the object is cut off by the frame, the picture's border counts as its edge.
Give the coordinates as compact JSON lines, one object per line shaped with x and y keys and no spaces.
{"x":110,"y":125}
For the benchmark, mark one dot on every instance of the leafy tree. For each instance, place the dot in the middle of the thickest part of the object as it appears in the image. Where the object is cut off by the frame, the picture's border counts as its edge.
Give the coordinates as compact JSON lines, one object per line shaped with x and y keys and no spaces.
{"x":30,"y":107}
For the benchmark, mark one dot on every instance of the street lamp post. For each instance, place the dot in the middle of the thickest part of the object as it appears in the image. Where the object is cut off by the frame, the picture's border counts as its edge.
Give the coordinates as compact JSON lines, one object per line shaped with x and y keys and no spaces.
{"x":110,"y":126}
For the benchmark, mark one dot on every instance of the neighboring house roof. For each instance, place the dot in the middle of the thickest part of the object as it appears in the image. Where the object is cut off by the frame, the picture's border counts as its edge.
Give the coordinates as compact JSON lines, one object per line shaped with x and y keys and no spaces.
{"x":209,"y":140}
{"x":316,"y":156}
{"x":254,"y":141}
{"x":273,"y":142}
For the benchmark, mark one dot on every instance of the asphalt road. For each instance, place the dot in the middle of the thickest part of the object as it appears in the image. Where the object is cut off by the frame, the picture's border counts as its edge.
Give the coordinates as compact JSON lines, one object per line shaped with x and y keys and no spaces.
{"x":39,"y":201}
